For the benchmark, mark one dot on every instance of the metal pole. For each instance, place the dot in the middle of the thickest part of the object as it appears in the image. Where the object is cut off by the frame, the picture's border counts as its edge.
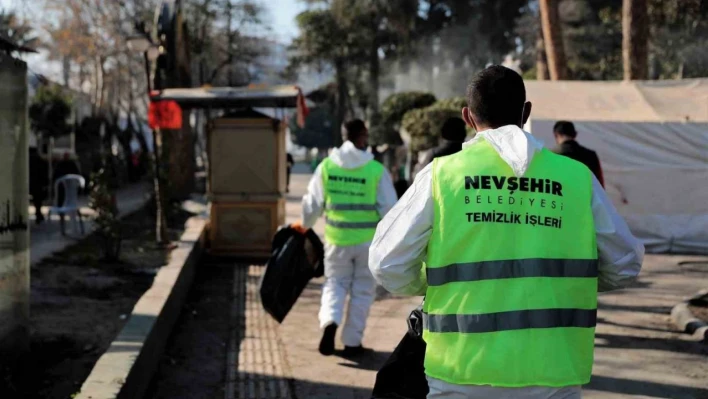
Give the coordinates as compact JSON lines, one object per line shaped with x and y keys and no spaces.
{"x":160,"y":222}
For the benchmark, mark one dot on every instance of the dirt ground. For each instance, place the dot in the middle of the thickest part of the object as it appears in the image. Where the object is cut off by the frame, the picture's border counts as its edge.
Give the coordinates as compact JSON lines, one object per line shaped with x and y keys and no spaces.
{"x":194,"y":363}
{"x":78,"y":305}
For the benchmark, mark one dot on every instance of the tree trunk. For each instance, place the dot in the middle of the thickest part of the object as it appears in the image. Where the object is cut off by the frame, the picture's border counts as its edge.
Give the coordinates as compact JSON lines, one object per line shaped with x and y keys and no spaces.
{"x":374,"y":75}
{"x":342,"y":93}
{"x":553,"y":38}
{"x":635,"y":39}
{"x":178,"y":145}
{"x":541,"y":61}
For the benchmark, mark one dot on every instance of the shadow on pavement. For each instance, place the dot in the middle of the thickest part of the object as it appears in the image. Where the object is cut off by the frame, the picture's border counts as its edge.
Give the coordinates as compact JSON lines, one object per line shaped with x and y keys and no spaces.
{"x":314,"y":390}
{"x":371,"y":361}
{"x":600,"y":320}
{"x":662,"y":310}
{"x":631,"y":342}
{"x":644,"y":388}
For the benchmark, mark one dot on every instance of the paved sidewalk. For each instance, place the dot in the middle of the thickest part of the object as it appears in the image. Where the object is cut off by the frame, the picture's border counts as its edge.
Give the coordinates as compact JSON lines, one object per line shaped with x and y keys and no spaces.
{"x":638,"y":352}
{"x":46,"y":238}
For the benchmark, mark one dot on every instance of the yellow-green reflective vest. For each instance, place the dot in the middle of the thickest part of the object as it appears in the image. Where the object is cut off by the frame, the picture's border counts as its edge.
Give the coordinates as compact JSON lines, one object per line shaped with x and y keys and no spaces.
{"x":512,"y":272}
{"x":350,"y":202}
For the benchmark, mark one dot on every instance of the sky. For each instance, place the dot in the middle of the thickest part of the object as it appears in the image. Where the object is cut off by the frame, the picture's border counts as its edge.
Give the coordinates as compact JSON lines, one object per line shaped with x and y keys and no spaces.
{"x":283,"y":13}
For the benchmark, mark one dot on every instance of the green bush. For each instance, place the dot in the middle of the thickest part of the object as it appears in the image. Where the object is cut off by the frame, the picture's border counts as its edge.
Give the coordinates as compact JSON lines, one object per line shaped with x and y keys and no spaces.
{"x":396,"y":105}
{"x":50,"y":111}
{"x":385,"y":129}
{"x":108,"y":225}
{"x":319,"y":131}
{"x":424,"y":124}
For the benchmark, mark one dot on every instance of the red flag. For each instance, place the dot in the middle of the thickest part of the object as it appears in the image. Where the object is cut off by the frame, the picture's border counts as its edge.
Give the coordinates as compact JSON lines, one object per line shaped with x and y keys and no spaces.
{"x":165,"y":114}
{"x":302,"y":110}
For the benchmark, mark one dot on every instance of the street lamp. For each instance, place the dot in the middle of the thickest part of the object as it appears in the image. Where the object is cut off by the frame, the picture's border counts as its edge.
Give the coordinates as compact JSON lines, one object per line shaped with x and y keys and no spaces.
{"x":143,"y":44}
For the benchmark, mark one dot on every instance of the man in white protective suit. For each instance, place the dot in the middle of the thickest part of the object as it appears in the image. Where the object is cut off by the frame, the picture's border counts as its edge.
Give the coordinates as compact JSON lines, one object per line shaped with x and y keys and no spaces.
{"x":354,"y":192}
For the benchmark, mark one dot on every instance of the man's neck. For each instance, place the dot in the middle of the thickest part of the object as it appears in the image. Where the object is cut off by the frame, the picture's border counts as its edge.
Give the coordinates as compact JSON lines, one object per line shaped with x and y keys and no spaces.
{"x":563,"y":140}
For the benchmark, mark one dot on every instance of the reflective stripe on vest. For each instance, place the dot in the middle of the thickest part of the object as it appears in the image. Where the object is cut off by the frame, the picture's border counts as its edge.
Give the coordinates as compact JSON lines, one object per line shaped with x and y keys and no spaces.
{"x":514,"y":320}
{"x":515,"y":268}
{"x":351,"y":225}
{"x":350,"y":207}
{"x":512,"y":272}
{"x":350,"y":202}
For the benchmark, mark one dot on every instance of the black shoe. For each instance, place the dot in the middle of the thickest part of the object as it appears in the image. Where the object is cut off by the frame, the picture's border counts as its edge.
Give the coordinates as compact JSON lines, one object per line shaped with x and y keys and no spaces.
{"x":355,"y":351}
{"x":327,"y":341}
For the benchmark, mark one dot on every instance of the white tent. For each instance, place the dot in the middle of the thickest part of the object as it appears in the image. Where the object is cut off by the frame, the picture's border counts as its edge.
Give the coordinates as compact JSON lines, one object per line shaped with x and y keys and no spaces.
{"x":652,"y":140}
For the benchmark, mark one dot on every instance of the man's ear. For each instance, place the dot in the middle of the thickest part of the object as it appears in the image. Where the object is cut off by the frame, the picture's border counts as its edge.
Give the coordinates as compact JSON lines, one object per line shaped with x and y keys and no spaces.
{"x":527,"y":113}
{"x":467,"y":117}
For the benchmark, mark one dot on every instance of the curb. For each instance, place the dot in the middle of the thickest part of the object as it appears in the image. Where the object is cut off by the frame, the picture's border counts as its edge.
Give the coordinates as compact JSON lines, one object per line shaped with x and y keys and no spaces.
{"x":126,"y":368}
{"x":682,"y":317}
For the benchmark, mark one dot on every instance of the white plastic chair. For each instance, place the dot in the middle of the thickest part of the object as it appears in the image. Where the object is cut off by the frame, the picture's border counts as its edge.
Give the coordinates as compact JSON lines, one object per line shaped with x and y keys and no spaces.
{"x":70,"y":206}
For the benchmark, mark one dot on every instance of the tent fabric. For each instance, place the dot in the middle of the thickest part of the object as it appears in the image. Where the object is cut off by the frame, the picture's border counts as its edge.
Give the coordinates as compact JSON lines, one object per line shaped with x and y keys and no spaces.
{"x":652,"y":140}
{"x":617,"y":101}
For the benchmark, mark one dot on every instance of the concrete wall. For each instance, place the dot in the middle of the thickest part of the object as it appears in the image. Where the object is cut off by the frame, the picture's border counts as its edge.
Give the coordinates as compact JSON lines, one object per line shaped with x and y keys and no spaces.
{"x":14,"y":188}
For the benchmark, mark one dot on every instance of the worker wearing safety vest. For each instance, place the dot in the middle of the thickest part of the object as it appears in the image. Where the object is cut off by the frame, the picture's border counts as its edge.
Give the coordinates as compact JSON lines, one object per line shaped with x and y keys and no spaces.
{"x":510,"y":244}
{"x":354,"y":192}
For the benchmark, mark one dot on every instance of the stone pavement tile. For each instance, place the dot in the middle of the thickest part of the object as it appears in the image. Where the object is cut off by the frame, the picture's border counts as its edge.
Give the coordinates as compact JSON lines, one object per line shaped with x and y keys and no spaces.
{"x":638,"y":352}
{"x":256,"y":365}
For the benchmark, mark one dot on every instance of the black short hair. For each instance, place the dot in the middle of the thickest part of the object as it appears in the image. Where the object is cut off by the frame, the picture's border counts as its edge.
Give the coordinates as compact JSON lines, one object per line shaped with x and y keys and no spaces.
{"x":354,"y":129}
{"x":454,"y":129}
{"x":565,"y":128}
{"x":496,"y":96}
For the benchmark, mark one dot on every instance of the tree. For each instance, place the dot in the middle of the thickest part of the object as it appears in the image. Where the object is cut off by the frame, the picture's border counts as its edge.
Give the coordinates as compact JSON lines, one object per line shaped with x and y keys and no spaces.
{"x":553,"y":39}
{"x":318,"y":131}
{"x":679,"y":39}
{"x":325,"y":42}
{"x":424,"y":124}
{"x":223,"y":51}
{"x":174,"y":70}
{"x":50,"y":111}
{"x":635,"y":39}
{"x":381,"y":28}
{"x":455,"y":38}
{"x":542,"y":72}
{"x":393,"y":110}
{"x":17,"y":31}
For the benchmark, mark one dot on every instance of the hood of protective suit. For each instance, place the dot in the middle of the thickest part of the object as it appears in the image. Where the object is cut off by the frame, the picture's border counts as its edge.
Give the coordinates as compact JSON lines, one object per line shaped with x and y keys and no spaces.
{"x":349,"y":157}
{"x":515,"y":146}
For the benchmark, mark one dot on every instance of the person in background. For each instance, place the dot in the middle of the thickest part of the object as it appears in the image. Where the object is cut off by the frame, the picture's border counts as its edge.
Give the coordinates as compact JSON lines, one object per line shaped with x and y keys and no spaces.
{"x":510,"y":244}
{"x":354,"y":192}
{"x":39,"y":178}
{"x":565,"y":135}
{"x":400,"y":183}
{"x":453,"y":133}
{"x":290,"y":163}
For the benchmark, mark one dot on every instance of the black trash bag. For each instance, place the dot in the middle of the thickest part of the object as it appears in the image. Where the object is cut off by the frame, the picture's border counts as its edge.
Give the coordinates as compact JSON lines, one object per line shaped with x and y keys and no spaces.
{"x":403,"y":374}
{"x":295,"y":260}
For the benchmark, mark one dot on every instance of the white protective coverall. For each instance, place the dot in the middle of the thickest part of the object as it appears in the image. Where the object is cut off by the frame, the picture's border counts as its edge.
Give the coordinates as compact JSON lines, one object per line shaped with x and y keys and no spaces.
{"x":401,"y":241}
{"x":346,"y":268}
